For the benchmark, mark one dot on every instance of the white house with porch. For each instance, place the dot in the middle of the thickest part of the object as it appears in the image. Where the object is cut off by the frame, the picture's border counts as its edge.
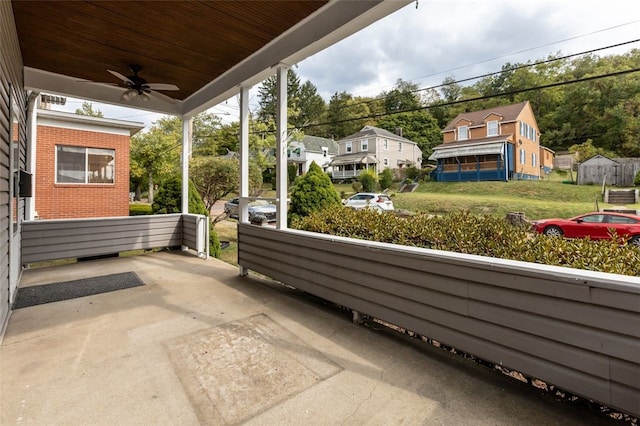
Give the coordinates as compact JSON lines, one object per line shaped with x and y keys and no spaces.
{"x":309,"y":149}
{"x":376,"y":149}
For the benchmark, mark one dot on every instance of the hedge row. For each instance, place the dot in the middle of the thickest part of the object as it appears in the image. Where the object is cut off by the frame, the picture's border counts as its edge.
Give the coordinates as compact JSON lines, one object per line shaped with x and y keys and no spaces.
{"x":463,"y":232}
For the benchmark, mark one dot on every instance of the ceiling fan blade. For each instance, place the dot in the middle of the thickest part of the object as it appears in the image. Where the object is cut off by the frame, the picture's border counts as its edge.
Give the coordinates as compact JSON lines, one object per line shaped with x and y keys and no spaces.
{"x":162,"y":96}
{"x":162,"y":86}
{"x":120,"y":76}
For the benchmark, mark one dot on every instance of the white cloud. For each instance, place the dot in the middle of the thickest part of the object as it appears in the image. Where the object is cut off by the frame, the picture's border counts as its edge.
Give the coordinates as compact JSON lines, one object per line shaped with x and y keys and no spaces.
{"x":465,"y":39}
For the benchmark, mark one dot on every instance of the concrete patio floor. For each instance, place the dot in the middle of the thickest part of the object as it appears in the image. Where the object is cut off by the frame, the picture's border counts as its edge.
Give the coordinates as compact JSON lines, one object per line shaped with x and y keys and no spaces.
{"x":198,"y":344}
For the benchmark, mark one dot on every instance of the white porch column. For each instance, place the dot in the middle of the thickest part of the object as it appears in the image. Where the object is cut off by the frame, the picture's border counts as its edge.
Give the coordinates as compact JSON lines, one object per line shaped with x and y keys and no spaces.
{"x":32,"y":143}
{"x":243,"y":190}
{"x":281,"y":148}
{"x":187,"y":123}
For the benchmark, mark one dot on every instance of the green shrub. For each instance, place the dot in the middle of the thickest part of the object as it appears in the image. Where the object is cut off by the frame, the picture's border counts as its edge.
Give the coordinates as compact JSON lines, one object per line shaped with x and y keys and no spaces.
{"x":215,"y":248}
{"x":636,"y":180}
{"x":312,"y":191}
{"x":369,"y":180}
{"x":386,"y":178}
{"x":292,"y":172}
{"x":169,"y":198}
{"x":480,"y":235}
{"x":412,"y":172}
{"x":356,"y":186}
{"x":140,"y":209}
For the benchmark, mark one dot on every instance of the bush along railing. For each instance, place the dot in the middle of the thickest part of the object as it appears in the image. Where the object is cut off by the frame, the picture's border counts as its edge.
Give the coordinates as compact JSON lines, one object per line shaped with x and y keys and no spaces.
{"x":463,"y":232}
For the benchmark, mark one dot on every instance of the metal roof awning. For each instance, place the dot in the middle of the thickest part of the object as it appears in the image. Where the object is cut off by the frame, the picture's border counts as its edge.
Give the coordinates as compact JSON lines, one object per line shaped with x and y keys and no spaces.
{"x":354,"y":159}
{"x":463,"y":151}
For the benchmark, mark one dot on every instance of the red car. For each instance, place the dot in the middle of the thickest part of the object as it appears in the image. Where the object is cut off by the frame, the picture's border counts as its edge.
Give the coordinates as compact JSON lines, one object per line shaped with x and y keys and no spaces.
{"x":593,"y":225}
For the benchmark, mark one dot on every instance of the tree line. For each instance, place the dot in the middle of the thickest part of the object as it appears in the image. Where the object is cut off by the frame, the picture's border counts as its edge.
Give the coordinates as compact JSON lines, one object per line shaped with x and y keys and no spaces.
{"x":587,"y":103}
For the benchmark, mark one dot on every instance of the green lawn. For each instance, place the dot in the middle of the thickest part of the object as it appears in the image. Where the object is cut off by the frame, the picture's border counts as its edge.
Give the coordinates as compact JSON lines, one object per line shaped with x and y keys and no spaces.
{"x":536,"y":199}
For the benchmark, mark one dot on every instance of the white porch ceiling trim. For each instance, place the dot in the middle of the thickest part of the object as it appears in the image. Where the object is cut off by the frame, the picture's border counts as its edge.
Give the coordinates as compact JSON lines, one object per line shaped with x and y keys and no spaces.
{"x":57,"y":84}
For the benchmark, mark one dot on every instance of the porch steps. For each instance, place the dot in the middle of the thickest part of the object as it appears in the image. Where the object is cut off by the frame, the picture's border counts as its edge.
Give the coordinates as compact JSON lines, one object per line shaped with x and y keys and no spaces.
{"x":409,"y":187}
{"x":621,"y":197}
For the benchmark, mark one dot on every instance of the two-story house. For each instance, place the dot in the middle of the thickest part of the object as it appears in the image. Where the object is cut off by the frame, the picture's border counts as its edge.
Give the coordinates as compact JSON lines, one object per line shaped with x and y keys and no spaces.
{"x":501,"y":143}
{"x":376,"y":149}
{"x":309,"y":149}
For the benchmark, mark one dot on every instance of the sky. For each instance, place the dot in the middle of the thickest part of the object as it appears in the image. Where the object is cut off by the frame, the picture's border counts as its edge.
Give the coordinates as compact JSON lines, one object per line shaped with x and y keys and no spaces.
{"x":449,"y":38}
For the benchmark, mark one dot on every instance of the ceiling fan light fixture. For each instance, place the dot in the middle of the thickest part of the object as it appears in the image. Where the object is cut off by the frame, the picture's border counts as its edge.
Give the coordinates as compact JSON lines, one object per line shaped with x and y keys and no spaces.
{"x":144,"y":97}
{"x":126,"y":96}
{"x":133,"y":93}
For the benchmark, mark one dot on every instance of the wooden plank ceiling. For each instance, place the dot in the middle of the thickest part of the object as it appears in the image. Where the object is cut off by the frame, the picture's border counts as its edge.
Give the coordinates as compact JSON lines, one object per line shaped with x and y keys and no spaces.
{"x":186,"y":43}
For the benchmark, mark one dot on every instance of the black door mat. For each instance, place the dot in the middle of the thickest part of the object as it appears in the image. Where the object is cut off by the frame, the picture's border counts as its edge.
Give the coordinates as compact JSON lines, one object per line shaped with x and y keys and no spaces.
{"x":47,"y":293}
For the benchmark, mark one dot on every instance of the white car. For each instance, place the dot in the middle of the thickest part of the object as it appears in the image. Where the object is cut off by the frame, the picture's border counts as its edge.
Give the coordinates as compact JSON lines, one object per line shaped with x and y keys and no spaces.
{"x":371,"y":200}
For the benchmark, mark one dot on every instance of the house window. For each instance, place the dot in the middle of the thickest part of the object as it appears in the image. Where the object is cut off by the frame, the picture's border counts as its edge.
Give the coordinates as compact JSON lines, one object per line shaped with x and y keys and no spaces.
{"x":385,"y":144}
{"x":492,"y":128}
{"x":325,"y":151}
{"x":348,"y":147}
{"x":463,"y":133}
{"x":533,"y":159}
{"x":399,"y":146}
{"x":75,"y":164}
{"x":523,"y":159}
{"x":364,"y":145}
{"x":385,"y":162}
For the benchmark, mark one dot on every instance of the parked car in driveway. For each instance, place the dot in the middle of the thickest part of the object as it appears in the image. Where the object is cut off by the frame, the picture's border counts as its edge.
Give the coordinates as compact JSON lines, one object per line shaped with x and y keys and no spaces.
{"x":256,"y":208}
{"x":596,"y":226}
{"x":372,"y":200}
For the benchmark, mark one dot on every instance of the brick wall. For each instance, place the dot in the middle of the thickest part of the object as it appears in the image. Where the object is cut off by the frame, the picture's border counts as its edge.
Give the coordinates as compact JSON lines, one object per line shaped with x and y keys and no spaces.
{"x":63,"y":200}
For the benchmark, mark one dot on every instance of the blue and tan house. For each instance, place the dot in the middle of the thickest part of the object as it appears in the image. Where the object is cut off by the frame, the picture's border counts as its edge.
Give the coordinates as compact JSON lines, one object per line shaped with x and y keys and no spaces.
{"x":500,"y":143}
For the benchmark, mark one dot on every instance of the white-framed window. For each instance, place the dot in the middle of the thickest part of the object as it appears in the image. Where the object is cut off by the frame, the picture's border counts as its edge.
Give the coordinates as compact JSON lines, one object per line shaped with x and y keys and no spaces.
{"x":325,"y":151}
{"x":463,"y":133}
{"x":399,"y":146}
{"x":348,"y":147}
{"x":523,"y":157}
{"x":76,"y":164}
{"x":492,"y":128}
{"x":385,"y":144}
{"x":533,"y":159}
{"x":364,"y":145}
{"x":385,"y":162}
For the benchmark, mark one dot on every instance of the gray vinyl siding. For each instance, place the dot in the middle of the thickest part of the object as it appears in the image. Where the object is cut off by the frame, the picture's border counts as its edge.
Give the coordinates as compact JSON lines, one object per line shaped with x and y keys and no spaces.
{"x":575,"y":329}
{"x":72,"y":238}
{"x":10,"y":87}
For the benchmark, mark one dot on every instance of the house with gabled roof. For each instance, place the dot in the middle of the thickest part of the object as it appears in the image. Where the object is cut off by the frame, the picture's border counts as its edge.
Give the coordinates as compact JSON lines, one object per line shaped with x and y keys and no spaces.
{"x":376,"y":149}
{"x":311,"y":148}
{"x":500,"y":143}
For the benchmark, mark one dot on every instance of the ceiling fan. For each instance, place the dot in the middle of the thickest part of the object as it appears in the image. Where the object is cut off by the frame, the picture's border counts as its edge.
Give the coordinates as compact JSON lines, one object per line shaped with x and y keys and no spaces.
{"x":137,"y":87}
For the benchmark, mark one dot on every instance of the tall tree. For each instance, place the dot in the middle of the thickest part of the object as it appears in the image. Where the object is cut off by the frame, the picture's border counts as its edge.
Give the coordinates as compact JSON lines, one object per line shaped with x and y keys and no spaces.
{"x":311,"y":106}
{"x":346,"y":115}
{"x":157,"y":152}
{"x":87,"y":109}
{"x":206,"y":129}
{"x":267,"y":94}
{"x":418,"y":126}
{"x":403,"y":97}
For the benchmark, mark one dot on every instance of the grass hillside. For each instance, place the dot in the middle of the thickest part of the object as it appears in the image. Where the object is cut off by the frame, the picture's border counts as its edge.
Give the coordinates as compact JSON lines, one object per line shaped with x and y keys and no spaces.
{"x":536,"y":199}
